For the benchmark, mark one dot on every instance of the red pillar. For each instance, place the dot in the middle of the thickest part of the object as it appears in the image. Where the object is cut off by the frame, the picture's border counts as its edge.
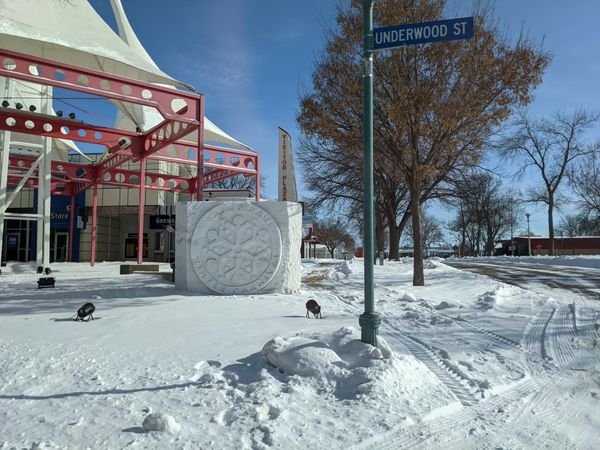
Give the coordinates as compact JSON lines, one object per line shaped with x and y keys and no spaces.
{"x":71,"y":227}
{"x":257,"y":180}
{"x":94,"y":222}
{"x":142,"y":202}
{"x":200,"y":118}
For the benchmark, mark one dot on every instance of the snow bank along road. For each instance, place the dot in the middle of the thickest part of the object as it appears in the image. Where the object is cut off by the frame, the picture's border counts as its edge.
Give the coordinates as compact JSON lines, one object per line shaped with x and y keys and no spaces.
{"x":584,"y":282}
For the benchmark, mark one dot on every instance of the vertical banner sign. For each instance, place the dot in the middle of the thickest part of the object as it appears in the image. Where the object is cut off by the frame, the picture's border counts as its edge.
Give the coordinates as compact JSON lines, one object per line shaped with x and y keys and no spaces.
{"x":287,"y":174}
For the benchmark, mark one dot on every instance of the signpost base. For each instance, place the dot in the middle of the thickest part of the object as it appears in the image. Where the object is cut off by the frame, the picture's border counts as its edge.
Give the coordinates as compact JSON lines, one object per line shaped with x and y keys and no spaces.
{"x":369,"y":325}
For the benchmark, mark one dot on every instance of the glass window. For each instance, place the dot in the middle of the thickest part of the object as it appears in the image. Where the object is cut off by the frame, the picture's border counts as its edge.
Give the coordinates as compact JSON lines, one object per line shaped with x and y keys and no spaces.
{"x":159,"y":241}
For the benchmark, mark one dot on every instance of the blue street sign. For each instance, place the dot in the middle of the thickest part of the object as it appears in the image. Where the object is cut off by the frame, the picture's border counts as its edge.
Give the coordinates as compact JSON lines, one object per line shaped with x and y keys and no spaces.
{"x":422,"y":33}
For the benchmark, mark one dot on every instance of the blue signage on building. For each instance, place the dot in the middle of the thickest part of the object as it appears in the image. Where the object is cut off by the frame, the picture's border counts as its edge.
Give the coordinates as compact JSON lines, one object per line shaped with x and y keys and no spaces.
{"x":423,"y":33}
{"x":60,"y":220}
{"x":60,"y":211}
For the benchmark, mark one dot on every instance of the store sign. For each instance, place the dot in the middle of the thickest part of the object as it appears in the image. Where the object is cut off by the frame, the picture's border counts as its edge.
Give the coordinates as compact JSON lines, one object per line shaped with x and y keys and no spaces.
{"x":59,"y":213}
{"x":161,"y":221}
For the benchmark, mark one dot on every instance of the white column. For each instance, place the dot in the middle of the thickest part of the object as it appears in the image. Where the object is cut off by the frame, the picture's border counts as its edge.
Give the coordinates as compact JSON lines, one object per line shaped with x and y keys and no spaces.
{"x":44,"y":189}
{"x":5,"y":88}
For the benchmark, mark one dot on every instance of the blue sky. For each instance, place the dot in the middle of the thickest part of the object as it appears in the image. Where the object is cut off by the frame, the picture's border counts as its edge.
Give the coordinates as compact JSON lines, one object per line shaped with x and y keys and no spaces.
{"x":251,"y":58}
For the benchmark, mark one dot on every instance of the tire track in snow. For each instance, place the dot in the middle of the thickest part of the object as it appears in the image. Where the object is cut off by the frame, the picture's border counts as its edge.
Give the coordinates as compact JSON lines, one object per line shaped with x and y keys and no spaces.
{"x":453,"y":379}
{"x":587,"y":338}
{"x":456,"y":382}
{"x":464,"y":323}
{"x":504,"y":341}
{"x":534,"y":339}
{"x":589,"y":322}
{"x":560,"y":334}
{"x":494,"y":414}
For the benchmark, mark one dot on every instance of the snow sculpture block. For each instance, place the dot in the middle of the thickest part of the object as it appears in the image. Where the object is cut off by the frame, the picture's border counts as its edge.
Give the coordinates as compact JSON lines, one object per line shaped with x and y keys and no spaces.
{"x":238,"y":248}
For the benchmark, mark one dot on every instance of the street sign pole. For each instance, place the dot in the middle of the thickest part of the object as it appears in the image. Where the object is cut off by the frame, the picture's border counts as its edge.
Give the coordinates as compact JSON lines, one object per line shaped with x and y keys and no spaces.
{"x":381,"y":39}
{"x":369,"y":320}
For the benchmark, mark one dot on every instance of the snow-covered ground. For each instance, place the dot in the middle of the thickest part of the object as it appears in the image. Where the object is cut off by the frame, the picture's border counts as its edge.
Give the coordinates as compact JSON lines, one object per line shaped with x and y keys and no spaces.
{"x":464,"y":362}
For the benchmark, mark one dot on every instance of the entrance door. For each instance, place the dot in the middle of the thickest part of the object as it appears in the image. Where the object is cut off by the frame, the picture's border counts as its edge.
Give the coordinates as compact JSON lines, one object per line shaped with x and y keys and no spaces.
{"x":12,"y":246}
{"x":61,"y":247}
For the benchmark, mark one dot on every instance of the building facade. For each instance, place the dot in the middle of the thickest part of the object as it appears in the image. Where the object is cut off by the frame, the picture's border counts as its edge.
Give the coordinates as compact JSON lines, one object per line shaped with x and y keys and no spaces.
{"x":585,"y":245}
{"x":117,"y":222}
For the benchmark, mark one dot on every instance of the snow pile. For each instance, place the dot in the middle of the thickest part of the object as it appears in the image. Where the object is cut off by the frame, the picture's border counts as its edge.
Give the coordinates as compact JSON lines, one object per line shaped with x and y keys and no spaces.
{"x":496,"y":298}
{"x":486,"y":301}
{"x":431,"y":263}
{"x":407,"y":297}
{"x":342,"y":364}
{"x":342,"y":270}
{"x":443,"y":305}
{"x":161,"y":422}
{"x":326,"y":357}
{"x":42,"y":445}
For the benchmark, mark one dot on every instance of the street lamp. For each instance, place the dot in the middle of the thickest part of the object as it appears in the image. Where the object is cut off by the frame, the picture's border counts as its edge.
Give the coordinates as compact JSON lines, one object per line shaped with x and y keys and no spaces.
{"x":313,"y":239}
{"x":528,"y":236}
{"x":512,"y":238}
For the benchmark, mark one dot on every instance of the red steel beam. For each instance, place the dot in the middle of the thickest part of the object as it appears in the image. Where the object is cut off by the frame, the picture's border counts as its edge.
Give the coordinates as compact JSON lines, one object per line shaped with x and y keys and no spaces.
{"x":172,"y":104}
{"x":183,"y":113}
{"x":26,"y":122}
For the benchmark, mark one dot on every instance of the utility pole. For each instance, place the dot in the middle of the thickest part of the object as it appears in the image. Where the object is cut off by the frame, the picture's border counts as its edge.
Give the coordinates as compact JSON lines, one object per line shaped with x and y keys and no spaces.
{"x":528,"y":236}
{"x":512,"y":239}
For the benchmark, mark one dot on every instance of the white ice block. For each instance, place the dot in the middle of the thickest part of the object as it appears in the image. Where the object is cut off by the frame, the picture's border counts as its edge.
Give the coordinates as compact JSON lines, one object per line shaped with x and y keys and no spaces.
{"x":238,"y":248}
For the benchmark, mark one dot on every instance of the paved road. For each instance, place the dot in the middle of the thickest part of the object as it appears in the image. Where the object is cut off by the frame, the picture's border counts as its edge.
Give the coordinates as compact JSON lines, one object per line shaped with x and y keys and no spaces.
{"x":583,"y":281}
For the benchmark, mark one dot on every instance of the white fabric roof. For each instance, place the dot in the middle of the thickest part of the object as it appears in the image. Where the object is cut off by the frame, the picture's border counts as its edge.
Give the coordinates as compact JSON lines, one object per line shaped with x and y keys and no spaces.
{"x":71,"y":31}
{"x":146,"y":117}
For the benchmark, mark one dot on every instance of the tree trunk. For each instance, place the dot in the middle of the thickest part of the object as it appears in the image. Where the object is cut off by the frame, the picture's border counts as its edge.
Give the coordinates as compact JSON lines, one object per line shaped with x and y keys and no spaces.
{"x":379,"y":233}
{"x":418,"y":274}
{"x":489,"y":245}
{"x":551,"y":223}
{"x":463,"y":233}
{"x":394,"y":242}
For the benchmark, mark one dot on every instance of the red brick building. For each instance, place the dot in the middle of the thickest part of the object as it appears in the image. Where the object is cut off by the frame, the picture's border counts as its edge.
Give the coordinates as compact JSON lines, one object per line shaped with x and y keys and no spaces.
{"x":541,"y":245}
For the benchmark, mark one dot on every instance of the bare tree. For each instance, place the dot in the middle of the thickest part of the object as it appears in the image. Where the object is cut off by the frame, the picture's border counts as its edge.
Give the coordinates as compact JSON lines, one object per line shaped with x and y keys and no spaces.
{"x":579,"y":225}
{"x":431,"y":231}
{"x":570,"y":226}
{"x":549,"y":146}
{"x":238,"y":182}
{"x":435,"y":105}
{"x":584,"y":178}
{"x":485,"y":213}
{"x":333,"y":234}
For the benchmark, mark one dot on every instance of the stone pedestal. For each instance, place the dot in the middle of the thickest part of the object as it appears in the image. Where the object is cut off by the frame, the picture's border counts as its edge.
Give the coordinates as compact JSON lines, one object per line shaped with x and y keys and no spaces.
{"x":238,"y":248}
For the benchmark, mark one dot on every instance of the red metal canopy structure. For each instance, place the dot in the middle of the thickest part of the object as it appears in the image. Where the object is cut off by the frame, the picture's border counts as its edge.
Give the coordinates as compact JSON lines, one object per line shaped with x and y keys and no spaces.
{"x":179,"y":139}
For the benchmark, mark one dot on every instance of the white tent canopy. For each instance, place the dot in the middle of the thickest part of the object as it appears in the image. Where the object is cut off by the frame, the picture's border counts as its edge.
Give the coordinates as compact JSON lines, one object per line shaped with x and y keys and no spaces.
{"x":70,"y":31}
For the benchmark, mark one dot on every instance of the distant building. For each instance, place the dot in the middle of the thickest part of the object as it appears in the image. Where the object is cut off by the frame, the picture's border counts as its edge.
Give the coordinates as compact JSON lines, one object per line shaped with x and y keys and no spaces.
{"x":439,"y":251}
{"x":541,"y":245}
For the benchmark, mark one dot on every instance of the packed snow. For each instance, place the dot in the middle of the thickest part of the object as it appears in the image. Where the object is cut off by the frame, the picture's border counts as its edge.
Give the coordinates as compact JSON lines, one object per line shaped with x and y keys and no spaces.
{"x":463,"y":362}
